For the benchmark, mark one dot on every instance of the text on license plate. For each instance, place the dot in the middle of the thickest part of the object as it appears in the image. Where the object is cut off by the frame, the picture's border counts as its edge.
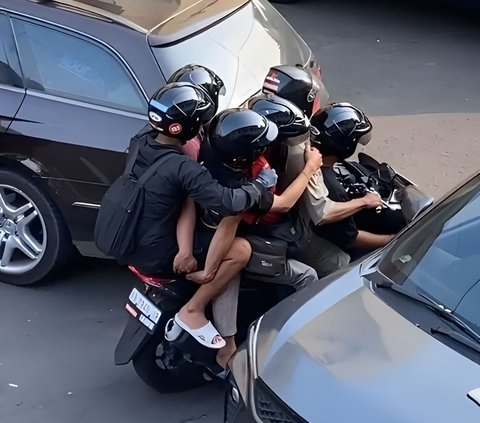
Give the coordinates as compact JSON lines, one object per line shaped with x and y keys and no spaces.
{"x":145,"y":306}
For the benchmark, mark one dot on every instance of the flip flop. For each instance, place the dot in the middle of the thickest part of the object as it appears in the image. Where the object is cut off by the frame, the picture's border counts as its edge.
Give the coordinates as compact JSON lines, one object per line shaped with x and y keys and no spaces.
{"x":204,"y":335}
{"x":172,"y":330}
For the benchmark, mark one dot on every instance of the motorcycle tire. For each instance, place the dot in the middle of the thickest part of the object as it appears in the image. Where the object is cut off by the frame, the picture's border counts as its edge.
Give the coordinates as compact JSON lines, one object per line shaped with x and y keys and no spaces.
{"x":147,"y":364}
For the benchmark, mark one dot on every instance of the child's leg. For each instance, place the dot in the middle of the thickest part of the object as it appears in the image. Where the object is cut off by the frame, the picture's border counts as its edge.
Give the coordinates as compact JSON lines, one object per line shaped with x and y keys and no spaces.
{"x":193,"y":313}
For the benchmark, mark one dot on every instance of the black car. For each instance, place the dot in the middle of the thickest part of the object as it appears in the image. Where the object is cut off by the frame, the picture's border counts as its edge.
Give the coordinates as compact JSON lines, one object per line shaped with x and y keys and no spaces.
{"x":75,"y":77}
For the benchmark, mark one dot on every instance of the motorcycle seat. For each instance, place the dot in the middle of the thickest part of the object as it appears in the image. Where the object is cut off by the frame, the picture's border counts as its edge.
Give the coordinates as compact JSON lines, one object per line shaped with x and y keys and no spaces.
{"x":157,"y":279}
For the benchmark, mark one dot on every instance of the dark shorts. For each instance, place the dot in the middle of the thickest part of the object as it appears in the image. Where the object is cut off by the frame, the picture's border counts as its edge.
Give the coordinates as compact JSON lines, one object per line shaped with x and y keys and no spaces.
{"x":387,"y":222}
{"x":164,"y":267}
{"x":203,"y":238}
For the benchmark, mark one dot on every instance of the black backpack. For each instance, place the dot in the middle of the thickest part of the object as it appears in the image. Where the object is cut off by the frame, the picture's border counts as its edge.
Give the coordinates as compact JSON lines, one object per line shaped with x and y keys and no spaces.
{"x":121,"y":208}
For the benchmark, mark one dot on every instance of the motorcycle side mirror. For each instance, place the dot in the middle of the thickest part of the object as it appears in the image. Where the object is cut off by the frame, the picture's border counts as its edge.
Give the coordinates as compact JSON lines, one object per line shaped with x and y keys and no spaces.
{"x":386,"y":173}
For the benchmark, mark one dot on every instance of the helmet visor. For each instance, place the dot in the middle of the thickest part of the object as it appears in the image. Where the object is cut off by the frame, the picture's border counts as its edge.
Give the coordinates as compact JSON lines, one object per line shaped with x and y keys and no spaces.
{"x":270,"y":134}
{"x":365,"y":138}
{"x":222,"y":90}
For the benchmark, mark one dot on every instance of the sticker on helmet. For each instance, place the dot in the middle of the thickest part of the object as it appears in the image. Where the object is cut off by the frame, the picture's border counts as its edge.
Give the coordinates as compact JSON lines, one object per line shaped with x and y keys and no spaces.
{"x":154,"y":116}
{"x":311,"y":95}
{"x":271,"y":81}
{"x":175,"y":128}
{"x":272,"y":75}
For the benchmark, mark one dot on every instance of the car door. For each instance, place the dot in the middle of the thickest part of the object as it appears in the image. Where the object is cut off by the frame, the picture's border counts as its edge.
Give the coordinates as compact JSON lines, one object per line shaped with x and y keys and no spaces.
{"x":81,"y":100}
{"x":82,"y":106}
{"x":12,"y":91}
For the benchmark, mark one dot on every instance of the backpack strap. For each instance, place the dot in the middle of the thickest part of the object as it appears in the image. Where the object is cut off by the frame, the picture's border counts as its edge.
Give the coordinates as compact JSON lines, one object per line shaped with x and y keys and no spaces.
{"x":132,"y":155}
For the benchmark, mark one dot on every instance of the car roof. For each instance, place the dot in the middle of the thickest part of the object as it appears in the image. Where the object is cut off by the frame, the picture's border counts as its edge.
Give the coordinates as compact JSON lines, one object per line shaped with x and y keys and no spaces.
{"x":165,"y":21}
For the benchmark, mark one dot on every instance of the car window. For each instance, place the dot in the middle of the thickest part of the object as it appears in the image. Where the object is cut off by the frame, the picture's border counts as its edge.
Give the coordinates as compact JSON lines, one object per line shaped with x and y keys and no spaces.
{"x":440,"y":256}
{"x":69,"y":66}
{"x":8,"y":76}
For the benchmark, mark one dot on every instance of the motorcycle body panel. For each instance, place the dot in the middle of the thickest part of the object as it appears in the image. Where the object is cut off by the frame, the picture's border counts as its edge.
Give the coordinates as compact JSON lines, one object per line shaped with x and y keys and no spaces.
{"x":136,"y":333}
{"x":133,"y":337}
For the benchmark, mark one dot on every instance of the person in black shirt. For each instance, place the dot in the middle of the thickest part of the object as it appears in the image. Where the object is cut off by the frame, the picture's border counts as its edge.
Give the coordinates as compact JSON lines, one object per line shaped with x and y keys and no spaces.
{"x":177,"y":112}
{"x":339,"y":128}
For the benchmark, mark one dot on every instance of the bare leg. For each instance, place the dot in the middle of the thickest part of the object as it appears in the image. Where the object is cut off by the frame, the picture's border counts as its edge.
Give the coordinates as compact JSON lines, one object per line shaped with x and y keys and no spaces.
{"x":225,"y":317}
{"x":193,"y":313}
{"x":225,"y":353}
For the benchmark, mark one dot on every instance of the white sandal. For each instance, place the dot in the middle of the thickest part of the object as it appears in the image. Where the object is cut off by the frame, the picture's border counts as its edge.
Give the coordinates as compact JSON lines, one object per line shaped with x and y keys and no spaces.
{"x":204,"y":335}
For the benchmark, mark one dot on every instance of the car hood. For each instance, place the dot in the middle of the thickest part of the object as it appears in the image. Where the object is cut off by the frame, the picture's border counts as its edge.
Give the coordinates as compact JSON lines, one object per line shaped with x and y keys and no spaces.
{"x":343,"y":355}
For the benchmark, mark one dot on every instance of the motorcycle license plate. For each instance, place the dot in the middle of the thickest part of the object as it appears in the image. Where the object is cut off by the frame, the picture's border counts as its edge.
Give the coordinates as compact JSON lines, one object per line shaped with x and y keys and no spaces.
{"x":144,"y":310}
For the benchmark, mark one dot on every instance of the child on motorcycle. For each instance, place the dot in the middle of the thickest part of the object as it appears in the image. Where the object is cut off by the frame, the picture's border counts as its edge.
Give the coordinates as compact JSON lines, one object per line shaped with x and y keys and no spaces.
{"x":233,"y":154}
{"x":184,"y":261}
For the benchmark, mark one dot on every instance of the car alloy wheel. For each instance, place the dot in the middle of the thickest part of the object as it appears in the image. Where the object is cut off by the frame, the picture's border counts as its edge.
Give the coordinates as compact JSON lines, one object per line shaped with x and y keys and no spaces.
{"x":34,"y":239}
{"x":23,"y":236}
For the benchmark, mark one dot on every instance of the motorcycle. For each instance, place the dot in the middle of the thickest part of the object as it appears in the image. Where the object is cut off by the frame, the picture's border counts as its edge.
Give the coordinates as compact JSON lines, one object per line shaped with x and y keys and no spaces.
{"x":156,"y":357}
{"x":170,"y":360}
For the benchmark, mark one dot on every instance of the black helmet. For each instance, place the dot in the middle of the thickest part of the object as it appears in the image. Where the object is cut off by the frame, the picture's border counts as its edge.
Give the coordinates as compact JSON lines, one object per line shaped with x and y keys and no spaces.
{"x":238,"y":136}
{"x":337,"y":130}
{"x":179,"y":110}
{"x":203,"y":77}
{"x":289,"y":119}
{"x":295,"y":84}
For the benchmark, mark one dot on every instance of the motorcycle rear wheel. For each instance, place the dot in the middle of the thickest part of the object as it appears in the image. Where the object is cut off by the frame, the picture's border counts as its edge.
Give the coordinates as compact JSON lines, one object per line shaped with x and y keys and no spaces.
{"x":164,"y":370}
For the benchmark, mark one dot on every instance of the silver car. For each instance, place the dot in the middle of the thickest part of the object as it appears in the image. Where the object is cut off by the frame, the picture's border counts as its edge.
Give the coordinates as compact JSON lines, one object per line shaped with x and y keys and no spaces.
{"x":392,"y":338}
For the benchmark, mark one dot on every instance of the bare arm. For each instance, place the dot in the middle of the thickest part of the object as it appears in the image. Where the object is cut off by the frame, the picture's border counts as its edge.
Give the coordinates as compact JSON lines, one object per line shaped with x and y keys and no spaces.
{"x":341,"y":210}
{"x":369,"y":241}
{"x":221,"y":243}
{"x":284,"y":202}
{"x":184,"y":260}
{"x":218,"y":249}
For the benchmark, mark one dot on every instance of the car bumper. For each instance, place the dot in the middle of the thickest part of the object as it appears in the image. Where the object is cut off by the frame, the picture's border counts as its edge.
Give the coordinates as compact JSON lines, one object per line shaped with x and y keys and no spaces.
{"x":236,"y":411}
{"x":248,"y":398}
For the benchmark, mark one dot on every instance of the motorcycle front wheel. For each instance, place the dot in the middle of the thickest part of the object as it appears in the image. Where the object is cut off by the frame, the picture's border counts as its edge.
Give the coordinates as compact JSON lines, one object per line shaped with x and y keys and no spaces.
{"x":165,"y":369}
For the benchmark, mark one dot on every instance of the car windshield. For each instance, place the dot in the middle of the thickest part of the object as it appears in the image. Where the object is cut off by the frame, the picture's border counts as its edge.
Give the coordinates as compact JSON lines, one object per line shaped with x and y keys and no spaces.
{"x":440,"y":256}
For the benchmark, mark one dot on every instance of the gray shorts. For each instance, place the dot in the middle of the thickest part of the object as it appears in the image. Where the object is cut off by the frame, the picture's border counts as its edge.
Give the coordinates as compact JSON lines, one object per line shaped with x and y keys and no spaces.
{"x":320,"y":254}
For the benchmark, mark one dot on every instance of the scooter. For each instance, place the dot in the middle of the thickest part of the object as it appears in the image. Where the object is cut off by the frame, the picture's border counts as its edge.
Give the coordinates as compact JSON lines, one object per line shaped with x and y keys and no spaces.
{"x":167,"y":358}
{"x":150,"y":343}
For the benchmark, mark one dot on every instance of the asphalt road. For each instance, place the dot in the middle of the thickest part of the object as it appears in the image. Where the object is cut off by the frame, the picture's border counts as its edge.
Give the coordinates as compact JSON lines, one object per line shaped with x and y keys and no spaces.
{"x":414,"y":70}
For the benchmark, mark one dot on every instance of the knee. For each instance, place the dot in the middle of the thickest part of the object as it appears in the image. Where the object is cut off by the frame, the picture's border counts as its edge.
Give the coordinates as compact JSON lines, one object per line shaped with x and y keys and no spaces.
{"x":240,"y":251}
{"x":311,"y":274}
{"x":343,"y":259}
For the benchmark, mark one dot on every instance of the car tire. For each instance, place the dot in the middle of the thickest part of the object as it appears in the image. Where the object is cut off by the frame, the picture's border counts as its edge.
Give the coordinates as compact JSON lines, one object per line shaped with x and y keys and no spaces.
{"x":45,"y":231}
{"x":184,"y":377}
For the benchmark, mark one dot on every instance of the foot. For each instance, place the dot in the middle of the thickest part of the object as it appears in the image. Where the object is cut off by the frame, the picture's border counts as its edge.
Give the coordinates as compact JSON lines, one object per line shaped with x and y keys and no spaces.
{"x":225,"y":353}
{"x":195,"y":320}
